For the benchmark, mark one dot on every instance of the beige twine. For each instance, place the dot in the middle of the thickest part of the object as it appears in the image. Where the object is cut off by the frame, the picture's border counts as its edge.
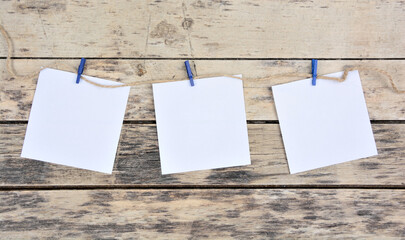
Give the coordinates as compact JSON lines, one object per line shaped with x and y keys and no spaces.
{"x":11,"y":71}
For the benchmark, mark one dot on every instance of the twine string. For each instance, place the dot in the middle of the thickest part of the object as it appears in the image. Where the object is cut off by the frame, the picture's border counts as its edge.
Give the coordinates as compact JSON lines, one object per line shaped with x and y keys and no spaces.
{"x":57,"y":65}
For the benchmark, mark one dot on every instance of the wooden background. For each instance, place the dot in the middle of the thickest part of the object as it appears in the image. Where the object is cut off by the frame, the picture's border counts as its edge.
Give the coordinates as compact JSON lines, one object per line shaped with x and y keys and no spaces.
{"x":140,"y":40}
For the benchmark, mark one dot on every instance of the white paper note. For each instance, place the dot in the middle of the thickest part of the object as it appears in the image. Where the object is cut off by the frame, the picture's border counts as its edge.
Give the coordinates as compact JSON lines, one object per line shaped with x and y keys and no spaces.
{"x":73,"y":124}
{"x":324,"y":124}
{"x":201,"y":127}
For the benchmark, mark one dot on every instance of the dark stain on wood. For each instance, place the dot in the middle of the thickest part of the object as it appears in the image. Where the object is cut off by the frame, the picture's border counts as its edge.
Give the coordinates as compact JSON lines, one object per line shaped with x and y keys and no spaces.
{"x":280,"y":206}
{"x":187,"y":23}
{"x":30,"y":200}
{"x":167,"y":32}
{"x":101,"y":199}
{"x":312,"y":175}
{"x":240,"y":176}
{"x":140,"y":70}
{"x":25,"y":171}
{"x":43,"y":6}
{"x":367,"y":165}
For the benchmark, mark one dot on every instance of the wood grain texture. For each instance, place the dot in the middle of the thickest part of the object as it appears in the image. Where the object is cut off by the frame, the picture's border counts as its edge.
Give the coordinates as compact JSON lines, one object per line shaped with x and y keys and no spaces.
{"x":201,"y":214}
{"x":383,"y":104}
{"x":259,"y":201}
{"x":206,"y":29}
{"x":262,"y":201}
{"x":137,"y":163}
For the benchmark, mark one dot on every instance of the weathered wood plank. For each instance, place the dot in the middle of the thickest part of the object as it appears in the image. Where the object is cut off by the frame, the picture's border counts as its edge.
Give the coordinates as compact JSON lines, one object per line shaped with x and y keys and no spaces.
{"x":138,"y":162}
{"x":210,"y":213}
{"x":383,"y":104}
{"x":250,"y":29}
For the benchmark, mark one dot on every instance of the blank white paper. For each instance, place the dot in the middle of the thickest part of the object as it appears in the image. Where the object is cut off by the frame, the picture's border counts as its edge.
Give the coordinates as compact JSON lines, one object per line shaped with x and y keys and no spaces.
{"x":76,"y":125}
{"x":201,"y":127}
{"x":324,"y":124}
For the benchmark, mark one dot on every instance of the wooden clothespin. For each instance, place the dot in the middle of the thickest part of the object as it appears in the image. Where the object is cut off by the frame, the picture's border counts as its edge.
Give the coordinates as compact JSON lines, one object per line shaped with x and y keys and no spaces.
{"x":314,"y":71}
{"x":189,"y":73}
{"x":80,"y":70}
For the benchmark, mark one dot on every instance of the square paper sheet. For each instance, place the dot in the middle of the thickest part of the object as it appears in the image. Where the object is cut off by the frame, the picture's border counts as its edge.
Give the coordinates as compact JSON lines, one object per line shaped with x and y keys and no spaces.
{"x":201,"y":127}
{"x":324,"y":124}
{"x":73,"y":124}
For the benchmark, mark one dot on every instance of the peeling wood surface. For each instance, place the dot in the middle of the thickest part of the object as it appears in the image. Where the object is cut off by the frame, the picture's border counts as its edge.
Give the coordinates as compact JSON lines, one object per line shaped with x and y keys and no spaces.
{"x":138,"y":163}
{"x":147,"y":40}
{"x":383,"y":104}
{"x":196,"y":214}
{"x":206,"y":29}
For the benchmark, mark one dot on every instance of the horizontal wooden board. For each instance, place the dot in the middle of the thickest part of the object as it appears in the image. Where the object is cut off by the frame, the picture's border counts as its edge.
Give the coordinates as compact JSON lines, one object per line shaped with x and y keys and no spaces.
{"x":383,"y":103}
{"x":210,"y":213}
{"x":137,"y":162}
{"x":206,"y":29}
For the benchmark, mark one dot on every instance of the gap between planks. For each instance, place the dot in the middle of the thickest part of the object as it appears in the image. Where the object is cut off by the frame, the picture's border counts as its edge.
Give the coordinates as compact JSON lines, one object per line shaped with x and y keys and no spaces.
{"x":203,"y":59}
{"x":190,"y":187}
{"x":141,"y":122}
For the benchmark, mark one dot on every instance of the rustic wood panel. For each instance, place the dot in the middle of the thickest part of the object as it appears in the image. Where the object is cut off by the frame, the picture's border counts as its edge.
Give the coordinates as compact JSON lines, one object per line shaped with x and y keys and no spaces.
{"x":383,"y":104}
{"x":138,"y":162}
{"x":209,"y":29}
{"x":263,"y":203}
{"x":196,"y":214}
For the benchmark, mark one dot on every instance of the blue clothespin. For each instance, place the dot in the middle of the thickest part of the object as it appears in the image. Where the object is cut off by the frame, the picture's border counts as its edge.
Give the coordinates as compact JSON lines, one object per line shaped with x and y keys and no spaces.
{"x":80,"y":70}
{"x":189,"y":73}
{"x":314,"y":71}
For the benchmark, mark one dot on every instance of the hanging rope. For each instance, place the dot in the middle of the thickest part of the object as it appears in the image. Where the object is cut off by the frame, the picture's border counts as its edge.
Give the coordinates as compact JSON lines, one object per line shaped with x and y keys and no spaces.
{"x":12,"y":72}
